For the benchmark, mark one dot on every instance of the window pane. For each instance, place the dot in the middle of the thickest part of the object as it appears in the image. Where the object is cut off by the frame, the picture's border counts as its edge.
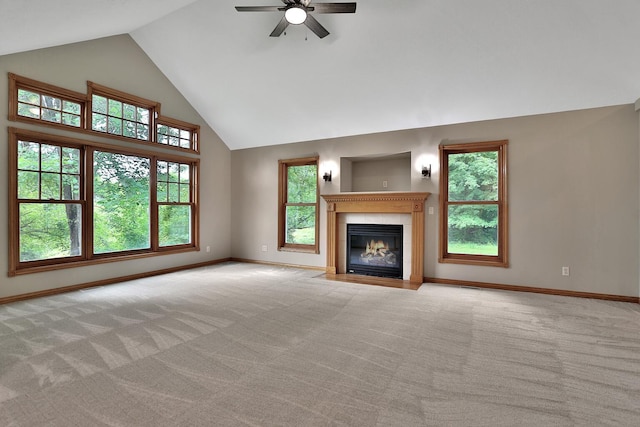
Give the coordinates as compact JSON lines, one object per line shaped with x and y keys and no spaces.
{"x":51,"y":115}
{"x":129,"y":112}
{"x":143,"y":115}
{"x":301,"y":184}
{"x":51,"y":102}
{"x":184,"y":194}
{"x":49,"y":230}
{"x":143,"y":132}
{"x":473,"y":176}
{"x":129,"y":129}
{"x":184,"y":173}
{"x":28,"y":97}
{"x":70,"y":160}
{"x":473,"y":229}
{"x":174,"y":193}
{"x":50,"y":186}
{"x":162,"y":192}
{"x":26,"y":110}
{"x":99,"y":104}
{"x":115,"y":126}
{"x":115,"y":108}
{"x":121,"y":202}
{"x":71,"y":107}
{"x":99,"y":122}
{"x":175,"y":224}
{"x":28,"y":185}
{"x":71,"y":120}
{"x":70,"y":187}
{"x":300,"y":225}
{"x":28,"y":155}
{"x":50,"y":158}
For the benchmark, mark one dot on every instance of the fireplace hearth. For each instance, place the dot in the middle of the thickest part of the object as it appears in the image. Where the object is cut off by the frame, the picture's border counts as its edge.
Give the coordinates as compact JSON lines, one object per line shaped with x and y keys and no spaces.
{"x":374,"y":250}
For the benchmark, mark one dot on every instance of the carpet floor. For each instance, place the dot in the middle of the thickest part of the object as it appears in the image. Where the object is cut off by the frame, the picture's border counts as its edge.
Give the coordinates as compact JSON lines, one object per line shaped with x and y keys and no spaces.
{"x":252,"y":345}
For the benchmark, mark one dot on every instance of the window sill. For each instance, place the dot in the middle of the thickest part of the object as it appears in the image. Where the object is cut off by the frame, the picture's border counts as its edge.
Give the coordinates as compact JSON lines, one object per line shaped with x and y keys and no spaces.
{"x":26,"y":269}
{"x":475,"y":261}
{"x":312,"y":250}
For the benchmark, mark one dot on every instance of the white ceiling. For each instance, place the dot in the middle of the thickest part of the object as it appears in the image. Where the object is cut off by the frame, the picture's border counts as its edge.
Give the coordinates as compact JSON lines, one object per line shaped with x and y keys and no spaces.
{"x":392,"y":65}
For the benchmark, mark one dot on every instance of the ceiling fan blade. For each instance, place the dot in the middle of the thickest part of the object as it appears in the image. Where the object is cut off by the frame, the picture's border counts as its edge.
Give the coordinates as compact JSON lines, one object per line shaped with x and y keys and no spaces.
{"x":280,"y":27}
{"x":259,"y":8}
{"x":315,"y":26}
{"x":334,"y":7}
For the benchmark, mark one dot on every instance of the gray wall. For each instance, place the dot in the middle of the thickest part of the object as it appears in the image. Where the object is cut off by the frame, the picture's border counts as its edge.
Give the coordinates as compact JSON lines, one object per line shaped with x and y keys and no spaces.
{"x":573,"y":197}
{"x":119,"y":63}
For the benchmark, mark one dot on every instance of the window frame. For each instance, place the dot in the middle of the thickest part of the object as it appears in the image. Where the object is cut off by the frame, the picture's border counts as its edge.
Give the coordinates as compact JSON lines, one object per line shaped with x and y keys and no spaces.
{"x":88,"y":257}
{"x":500,"y":260}
{"x":123,"y":97}
{"x":194,"y":144}
{"x":17,"y":82}
{"x":283,"y":166}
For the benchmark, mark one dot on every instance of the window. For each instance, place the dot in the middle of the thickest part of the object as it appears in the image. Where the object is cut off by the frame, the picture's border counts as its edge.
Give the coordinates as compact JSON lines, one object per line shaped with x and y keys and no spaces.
{"x":75,"y":202}
{"x":110,"y":112}
{"x":473,"y":208}
{"x":121,"y":202}
{"x":175,"y":133}
{"x":299,"y":205}
{"x":31,"y":100}
{"x":49,"y":205}
{"x":120,"y":114}
{"x":175,"y":203}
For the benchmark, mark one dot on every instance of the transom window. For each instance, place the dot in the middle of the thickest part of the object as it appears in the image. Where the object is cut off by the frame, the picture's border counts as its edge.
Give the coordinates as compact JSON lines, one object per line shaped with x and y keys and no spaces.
{"x":121,"y":114}
{"x":119,"y":118}
{"x":46,"y":103}
{"x":104,"y":110}
{"x":176,"y":133}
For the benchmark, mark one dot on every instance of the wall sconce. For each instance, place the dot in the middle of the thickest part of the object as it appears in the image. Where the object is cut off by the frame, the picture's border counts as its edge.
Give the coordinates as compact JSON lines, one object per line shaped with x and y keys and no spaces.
{"x":327,"y":176}
{"x":426,"y":171}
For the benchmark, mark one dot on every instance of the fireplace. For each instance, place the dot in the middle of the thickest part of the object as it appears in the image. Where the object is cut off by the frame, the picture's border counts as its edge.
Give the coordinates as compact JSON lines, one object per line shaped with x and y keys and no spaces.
{"x":378,"y":203}
{"x":374,"y":250}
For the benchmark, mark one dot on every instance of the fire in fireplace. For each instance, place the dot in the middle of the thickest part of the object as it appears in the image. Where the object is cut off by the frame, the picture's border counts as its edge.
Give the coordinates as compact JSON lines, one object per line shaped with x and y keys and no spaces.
{"x":374,"y":250}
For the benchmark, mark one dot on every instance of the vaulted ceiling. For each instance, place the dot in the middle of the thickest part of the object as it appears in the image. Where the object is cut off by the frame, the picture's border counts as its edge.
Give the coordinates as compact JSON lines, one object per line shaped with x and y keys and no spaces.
{"x":392,"y":65}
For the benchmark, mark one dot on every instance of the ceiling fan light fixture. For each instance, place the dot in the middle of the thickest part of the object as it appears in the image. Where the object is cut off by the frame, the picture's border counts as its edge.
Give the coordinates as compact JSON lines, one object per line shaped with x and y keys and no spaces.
{"x":295,"y":15}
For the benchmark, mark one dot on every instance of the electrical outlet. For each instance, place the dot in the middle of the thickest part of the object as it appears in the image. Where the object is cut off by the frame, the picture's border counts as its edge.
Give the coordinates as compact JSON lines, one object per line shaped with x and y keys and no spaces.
{"x":208,"y":248}
{"x":264,"y":248}
{"x":384,"y":184}
{"x":565,"y":271}
{"x":430,"y":210}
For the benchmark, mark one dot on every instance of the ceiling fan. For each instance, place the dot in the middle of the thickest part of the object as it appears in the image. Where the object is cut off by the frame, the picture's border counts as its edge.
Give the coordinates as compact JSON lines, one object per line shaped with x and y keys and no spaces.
{"x":296,"y":12}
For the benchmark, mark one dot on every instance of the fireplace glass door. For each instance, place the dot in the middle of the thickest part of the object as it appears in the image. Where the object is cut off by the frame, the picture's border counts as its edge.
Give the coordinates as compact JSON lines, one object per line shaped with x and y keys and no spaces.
{"x":374,"y":250}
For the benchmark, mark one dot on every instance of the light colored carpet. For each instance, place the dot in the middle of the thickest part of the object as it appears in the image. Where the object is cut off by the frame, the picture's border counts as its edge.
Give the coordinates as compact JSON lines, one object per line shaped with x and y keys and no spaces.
{"x":250,"y":345}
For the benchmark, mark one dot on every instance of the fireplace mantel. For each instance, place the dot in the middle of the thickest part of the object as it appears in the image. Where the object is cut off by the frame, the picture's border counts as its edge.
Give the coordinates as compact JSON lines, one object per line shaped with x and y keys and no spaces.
{"x":387,"y":202}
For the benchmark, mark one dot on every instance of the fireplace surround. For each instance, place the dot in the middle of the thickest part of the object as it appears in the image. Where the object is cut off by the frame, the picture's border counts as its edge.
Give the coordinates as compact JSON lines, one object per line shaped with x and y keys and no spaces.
{"x":381,"y":203}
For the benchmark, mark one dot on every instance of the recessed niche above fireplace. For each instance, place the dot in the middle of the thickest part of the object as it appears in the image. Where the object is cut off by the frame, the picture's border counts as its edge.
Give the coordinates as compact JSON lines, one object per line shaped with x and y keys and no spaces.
{"x":385,"y":172}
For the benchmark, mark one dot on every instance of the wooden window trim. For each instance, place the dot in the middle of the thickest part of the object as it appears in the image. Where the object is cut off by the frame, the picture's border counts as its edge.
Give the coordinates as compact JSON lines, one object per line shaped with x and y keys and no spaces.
{"x":282,"y":203}
{"x":194,"y":129}
{"x":19,"y":82}
{"x":501,"y":260}
{"x":84,"y":99}
{"x":88,"y":258}
{"x":110,"y":93}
